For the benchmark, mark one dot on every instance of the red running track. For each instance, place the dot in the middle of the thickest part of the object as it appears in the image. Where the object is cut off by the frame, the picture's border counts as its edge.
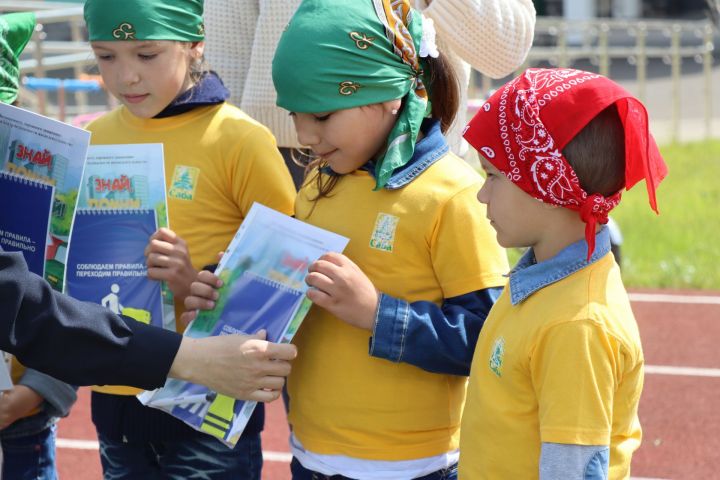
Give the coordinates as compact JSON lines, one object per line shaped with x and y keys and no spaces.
{"x":679,"y":412}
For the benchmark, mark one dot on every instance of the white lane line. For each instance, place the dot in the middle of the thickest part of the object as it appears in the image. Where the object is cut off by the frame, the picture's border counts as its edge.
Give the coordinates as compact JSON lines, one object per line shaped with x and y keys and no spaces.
{"x":77,"y":444}
{"x":669,"y":298}
{"x":283,"y":457}
{"x":682,"y":371}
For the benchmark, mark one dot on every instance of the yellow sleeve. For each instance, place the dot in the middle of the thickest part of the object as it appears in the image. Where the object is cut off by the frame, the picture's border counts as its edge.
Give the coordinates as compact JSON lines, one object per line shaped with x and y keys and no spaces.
{"x":573,"y":367}
{"x":261,"y":174}
{"x":465,"y":254}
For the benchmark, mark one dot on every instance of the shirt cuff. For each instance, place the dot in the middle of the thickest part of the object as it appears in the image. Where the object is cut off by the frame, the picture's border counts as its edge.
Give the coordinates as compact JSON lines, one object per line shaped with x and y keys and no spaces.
{"x":59,"y":396}
{"x":391,"y":321}
{"x":149,"y":355}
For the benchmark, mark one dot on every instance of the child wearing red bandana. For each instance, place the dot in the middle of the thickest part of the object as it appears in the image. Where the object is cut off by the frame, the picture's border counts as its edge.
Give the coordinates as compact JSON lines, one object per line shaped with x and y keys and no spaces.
{"x":558,"y":368}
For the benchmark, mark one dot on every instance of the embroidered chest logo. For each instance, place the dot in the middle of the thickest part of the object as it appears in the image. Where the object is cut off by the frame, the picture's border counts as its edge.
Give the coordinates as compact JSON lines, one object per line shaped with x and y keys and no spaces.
{"x":383,"y":236}
{"x":184,"y":182}
{"x":497,"y":356}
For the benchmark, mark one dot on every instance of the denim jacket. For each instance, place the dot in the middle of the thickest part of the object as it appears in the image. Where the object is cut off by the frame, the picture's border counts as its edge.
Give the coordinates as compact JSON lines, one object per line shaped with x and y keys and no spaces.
{"x":527,"y":277}
{"x":436,"y":338}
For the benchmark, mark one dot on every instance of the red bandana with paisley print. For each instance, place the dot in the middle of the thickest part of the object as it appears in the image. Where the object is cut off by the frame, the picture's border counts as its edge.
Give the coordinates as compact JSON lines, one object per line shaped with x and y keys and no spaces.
{"x":524,"y":126}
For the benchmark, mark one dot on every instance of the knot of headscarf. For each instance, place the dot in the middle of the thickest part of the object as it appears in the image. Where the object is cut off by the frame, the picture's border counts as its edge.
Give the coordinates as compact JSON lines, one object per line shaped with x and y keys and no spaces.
{"x":334,"y":56}
{"x":524,"y":126}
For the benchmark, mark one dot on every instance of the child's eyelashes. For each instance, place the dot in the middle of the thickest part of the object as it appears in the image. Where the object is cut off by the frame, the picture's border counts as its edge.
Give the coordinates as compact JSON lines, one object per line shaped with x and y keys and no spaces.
{"x":107,"y":57}
{"x":319,"y":117}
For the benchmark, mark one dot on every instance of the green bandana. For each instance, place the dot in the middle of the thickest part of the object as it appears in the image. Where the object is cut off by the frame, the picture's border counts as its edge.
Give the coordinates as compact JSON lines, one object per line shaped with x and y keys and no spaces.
{"x":111,"y":20}
{"x":15,"y":32}
{"x":337,"y":55}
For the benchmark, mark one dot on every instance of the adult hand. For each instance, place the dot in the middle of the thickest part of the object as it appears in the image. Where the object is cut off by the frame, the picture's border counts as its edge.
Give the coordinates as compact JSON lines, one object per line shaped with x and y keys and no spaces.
{"x":168,"y":260}
{"x":341,"y":288}
{"x":240,"y":366}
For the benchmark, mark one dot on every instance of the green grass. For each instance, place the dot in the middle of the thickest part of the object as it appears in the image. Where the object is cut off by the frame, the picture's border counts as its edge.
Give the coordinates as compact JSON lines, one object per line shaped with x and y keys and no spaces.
{"x":679,"y":248}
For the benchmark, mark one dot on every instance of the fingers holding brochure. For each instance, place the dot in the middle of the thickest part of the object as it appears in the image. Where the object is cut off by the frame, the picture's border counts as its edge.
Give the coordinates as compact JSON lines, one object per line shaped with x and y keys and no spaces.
{"x":243,"y":367}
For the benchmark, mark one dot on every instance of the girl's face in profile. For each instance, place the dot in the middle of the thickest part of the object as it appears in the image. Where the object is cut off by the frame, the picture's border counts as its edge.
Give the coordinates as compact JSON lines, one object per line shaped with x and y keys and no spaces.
{"x":146,"y":75}
{"x":347,"y":139}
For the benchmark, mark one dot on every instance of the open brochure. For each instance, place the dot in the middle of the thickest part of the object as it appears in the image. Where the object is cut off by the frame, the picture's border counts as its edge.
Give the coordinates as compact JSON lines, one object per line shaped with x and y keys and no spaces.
{"x":41,"y":162}
{"x":263,"y":273}
{"x":121,"y":204}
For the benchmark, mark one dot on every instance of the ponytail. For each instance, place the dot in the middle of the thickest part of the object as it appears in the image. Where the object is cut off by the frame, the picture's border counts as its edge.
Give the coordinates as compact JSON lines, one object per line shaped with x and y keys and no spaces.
{"x":444,"y":91}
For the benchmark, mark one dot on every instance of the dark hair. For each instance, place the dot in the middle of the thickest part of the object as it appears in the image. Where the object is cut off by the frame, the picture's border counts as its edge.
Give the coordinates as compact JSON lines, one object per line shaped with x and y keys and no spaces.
{"x":597,"y":154}
{"x":444,"y":94}
{"x":444,"y":91}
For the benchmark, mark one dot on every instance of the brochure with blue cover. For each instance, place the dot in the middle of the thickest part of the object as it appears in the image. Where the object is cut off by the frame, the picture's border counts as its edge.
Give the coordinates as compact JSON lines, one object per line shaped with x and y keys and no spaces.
{"x":263,"y":272}
{"x":25,"y":218}
{"x":121,"y":204}
{"x":47,"y":152}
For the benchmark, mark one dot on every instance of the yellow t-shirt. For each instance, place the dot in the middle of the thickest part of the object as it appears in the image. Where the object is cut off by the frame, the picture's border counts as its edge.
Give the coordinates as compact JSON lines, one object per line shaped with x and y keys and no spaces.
{"x":218,"y":161}
{"x":564,"y":366}
{"x":429,"y":240}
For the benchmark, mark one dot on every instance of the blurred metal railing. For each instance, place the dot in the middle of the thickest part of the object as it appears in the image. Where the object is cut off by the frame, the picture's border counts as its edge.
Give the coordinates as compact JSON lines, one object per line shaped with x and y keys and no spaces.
{"x":598,"y":44}
{"x":48,"y":56}
{"x":595,"y":44}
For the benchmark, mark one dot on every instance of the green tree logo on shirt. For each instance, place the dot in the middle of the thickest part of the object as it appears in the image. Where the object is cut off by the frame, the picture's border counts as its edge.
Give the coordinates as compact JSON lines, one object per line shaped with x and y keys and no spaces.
{"x":497,"y":355}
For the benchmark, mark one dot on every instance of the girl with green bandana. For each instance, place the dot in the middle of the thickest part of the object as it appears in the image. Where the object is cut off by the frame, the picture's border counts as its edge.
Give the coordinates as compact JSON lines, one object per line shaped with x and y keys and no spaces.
{"x":378,"y":386}
{"x":218,"y":161}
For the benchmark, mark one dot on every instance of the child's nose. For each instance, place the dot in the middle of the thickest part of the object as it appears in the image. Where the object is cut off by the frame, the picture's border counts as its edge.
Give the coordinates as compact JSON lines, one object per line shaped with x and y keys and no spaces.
{"x":482,"y":194}
{"x":129,"y":76}
{"x":307,"y":135}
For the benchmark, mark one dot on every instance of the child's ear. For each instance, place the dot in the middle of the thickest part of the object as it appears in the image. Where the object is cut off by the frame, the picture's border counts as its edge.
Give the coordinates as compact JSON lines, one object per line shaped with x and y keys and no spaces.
{"x":197,"y":49}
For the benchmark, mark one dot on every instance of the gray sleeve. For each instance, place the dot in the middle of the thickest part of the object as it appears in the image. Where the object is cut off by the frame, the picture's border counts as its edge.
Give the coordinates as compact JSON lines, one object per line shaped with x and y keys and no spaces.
{"x":573,"y":462}
{"x":58,"y":396}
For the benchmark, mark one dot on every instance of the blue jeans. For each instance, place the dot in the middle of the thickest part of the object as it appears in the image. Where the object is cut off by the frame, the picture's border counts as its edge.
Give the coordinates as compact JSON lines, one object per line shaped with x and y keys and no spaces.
{"x":30,"y":457}
{"x":301,"y":473}
{"x":202,"y":458}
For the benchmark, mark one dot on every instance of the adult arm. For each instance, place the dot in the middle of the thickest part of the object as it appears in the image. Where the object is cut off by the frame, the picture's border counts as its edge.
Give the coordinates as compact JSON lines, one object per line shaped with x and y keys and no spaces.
{"x":493,"y":36}
{"x":85,"y":344}
{"x":80,"y":343}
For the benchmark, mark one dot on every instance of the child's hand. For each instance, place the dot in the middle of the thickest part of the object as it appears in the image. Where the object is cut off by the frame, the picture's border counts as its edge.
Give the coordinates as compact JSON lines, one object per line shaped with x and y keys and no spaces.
{"x":203,"y":294}
{"x":17,"y":403}
{"x":341,"y":288}
{"x":168,"y":260}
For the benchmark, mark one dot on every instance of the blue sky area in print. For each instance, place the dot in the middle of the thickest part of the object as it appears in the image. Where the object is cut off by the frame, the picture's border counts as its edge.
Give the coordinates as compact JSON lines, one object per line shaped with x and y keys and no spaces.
{"x":38,"y":147}
{"x":123,"y":176}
